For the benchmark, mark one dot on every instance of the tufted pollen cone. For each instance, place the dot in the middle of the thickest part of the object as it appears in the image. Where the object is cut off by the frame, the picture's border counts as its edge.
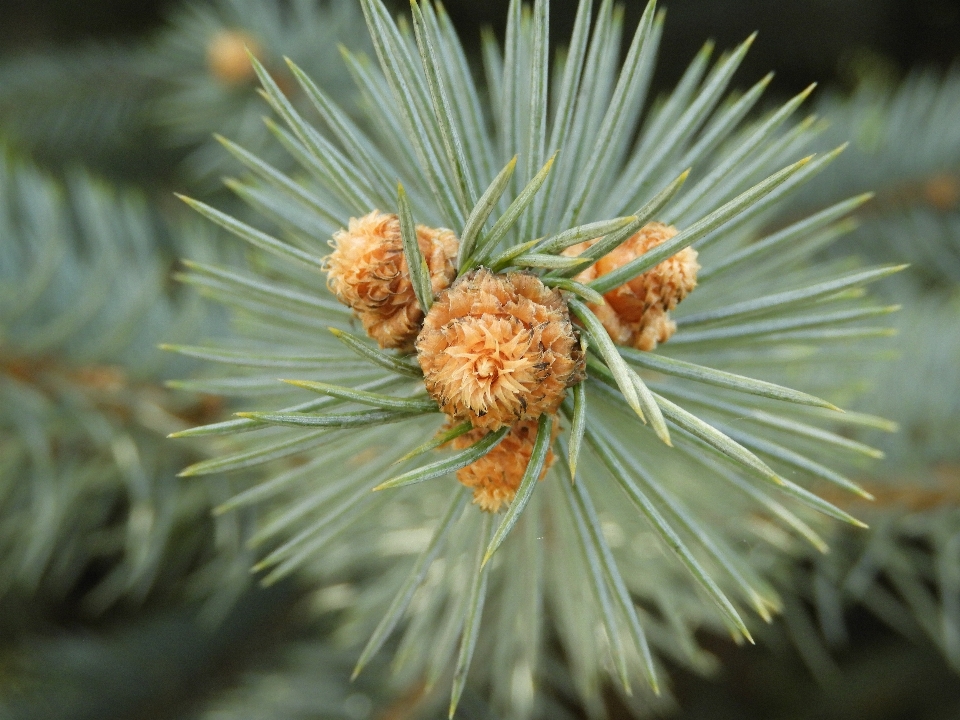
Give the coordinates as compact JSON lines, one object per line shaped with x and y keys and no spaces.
{"x":496,"y":476}
{"x":637,"y":312}
{"x":367,"y":271}
{"x":227,"y":57}
{"x":498,"y":349}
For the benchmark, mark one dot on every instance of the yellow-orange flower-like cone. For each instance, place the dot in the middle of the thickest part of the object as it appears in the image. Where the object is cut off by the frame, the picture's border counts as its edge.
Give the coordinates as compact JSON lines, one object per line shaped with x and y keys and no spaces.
{"x":498,"y":349}
{"x":496,"y":476}
{"x":637,"y":312}
{"x":227,"y":56}
{"x":367,"y":271}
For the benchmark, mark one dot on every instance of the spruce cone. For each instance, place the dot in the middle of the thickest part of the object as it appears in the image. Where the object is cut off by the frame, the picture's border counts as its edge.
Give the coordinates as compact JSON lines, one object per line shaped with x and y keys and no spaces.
{"x":636,"y":313}
{"x":498,"y":349}
{"x":496,"y":476}
{"x":368,"y":272}
{"x":227,"y":57}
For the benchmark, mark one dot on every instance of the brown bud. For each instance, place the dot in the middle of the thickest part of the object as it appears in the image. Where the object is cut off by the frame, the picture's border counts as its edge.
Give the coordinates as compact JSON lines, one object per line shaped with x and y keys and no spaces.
{"x":227,"y":56}
{"x":942,"y":191}
{"x":496,"y":476}
{"x":368,"y":272}
{"x":498,"y":349}
{"x":636,"y":313}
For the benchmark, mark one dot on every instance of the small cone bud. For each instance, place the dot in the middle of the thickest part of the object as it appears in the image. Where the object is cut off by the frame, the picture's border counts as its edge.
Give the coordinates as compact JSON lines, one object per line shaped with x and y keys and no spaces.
{"x":227,"y":56}
{"x":637,"y":312}
{"x":368,"y":272}
{"x":496,"y":476}
{"x":498,"y":349}
{"x":942,"y":192}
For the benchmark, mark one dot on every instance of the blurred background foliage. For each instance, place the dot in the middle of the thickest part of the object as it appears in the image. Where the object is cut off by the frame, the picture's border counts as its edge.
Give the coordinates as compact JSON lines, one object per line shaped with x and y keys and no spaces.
{"x":123,"y":597}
